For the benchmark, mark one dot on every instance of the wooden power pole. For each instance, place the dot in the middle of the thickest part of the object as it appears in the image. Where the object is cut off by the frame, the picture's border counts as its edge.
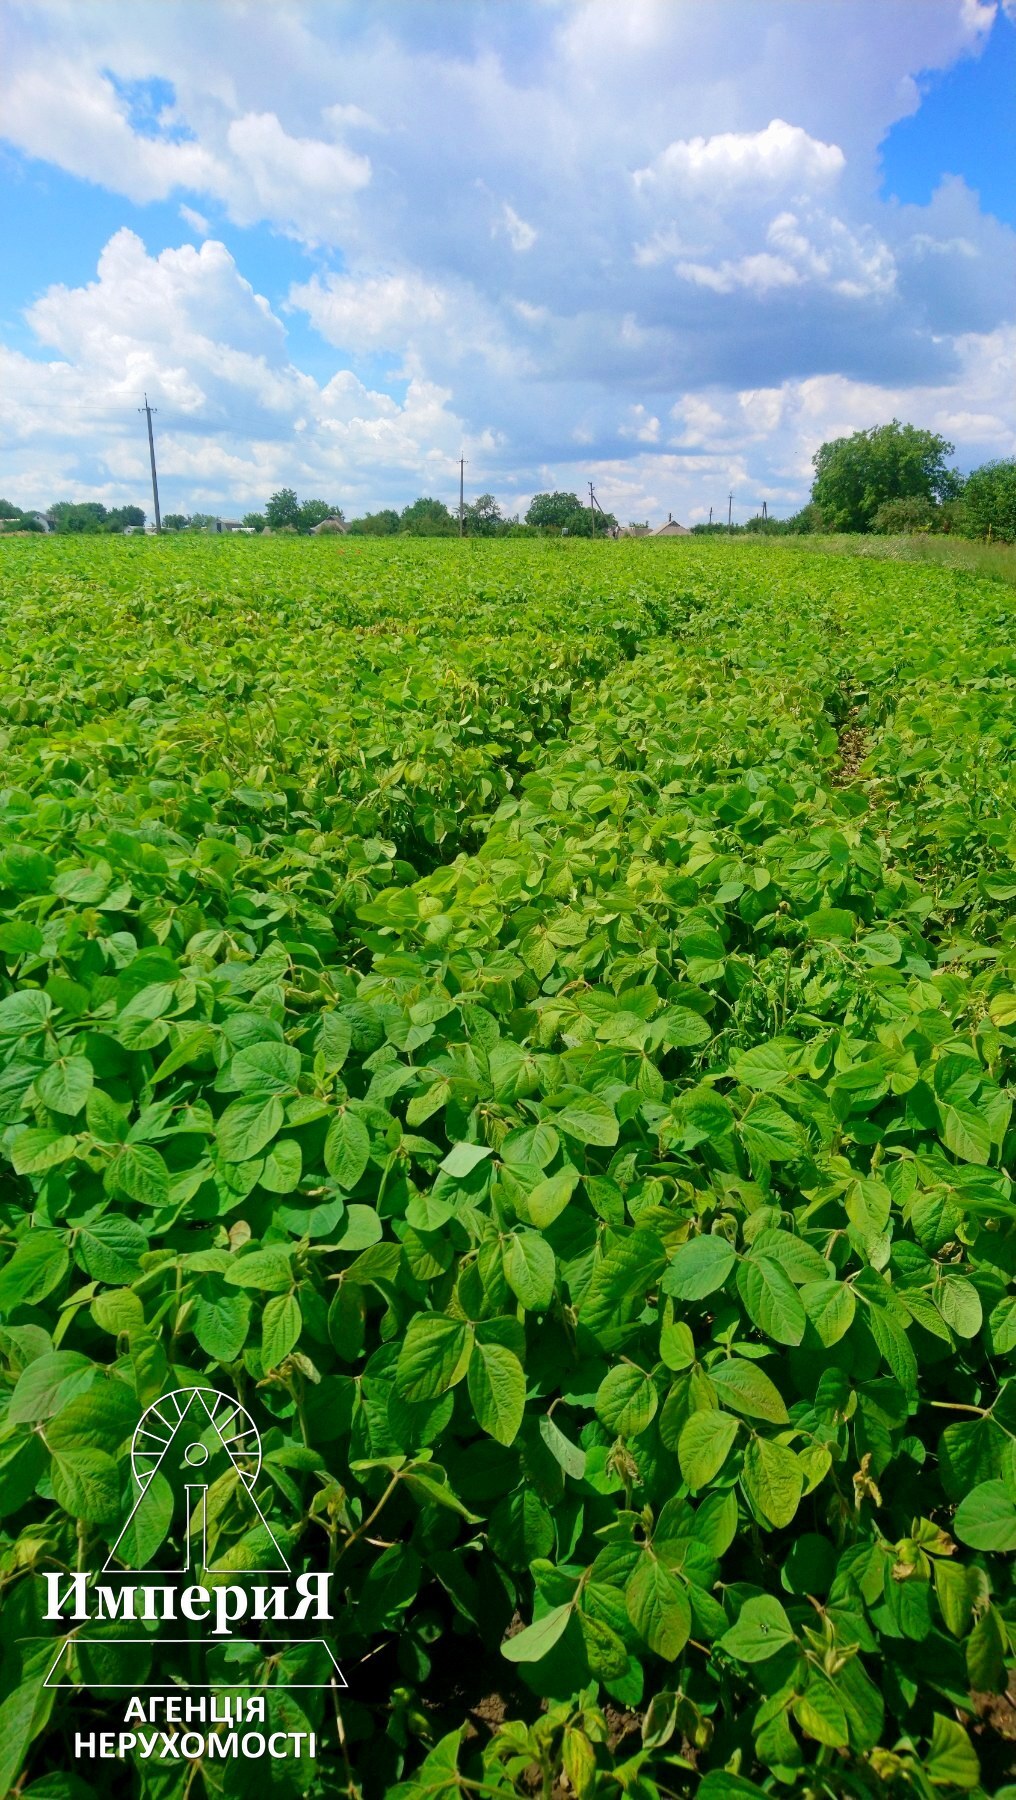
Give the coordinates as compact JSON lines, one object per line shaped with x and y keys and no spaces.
{"x":148,"y":410}
{"x":462,"y":495}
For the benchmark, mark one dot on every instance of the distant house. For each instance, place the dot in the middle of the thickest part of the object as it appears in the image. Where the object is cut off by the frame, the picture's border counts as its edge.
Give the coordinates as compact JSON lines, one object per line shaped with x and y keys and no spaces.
{"x":332,"y":523}
{"x":621,"y":531}
{"x":231,"y":525}
{"x":671,"y":529}
{"x":43,"y":521}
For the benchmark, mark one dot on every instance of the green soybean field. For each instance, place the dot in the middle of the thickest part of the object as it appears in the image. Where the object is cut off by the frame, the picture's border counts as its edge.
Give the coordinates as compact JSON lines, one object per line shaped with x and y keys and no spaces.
{"x":535,"y":1023}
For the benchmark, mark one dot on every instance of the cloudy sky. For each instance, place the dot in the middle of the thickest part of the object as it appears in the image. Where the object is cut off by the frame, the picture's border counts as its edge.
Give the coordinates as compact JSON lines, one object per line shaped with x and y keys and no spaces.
{"x":671,"y":245}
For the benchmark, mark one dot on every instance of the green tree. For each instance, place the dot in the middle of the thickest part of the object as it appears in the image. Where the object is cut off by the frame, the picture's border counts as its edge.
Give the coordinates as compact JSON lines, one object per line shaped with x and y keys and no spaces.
{"x":77,"y":516}
{"x":283,"y":509}
{"x":427,"y":518}
{"x":175,"y":521}
{"x":256,"y":521}
{"x":554,"y":510}
{"x":121,"y":516}
{"x":483,"y":517}
{"x":990,"y":501}
{"x":856,"y":475}
{"x":380,"y":524}
{"x":8,"y":510}
{"x":312,"y":512}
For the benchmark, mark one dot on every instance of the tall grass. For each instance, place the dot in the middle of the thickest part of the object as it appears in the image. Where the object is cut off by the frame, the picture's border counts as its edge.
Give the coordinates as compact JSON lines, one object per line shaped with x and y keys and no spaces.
{"x":996,"y":560}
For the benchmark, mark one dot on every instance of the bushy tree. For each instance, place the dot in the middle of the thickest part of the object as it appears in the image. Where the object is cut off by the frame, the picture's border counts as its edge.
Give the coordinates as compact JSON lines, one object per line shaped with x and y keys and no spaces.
{"x":896,"y":516}
{"x":256,"y":521}
{"x":565,"y":512}
{"x":989,"y":501}
{"x":554,"y":510}
{"x":427,"y":518}
{"x":201,"y":521}
{"x":175,"y":521}
{"x":283,"y":509}
{"x":8,"y":510}
{"x":313,"y":512}
{"x":380,"y":524}
{"x":121,"y":516}
{"x":856,"y":475}
{"x":77,"y":516}
{"x":483,"y":517}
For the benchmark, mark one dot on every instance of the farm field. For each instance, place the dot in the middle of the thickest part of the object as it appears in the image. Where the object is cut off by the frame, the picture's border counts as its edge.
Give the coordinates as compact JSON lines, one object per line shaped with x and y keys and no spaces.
{"x":535,"y":1022}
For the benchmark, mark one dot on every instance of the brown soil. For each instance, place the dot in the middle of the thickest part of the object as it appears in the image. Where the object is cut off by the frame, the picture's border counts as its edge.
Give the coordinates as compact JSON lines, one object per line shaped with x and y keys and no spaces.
{"x":994,"y":1737}
{"x":853,"y":747}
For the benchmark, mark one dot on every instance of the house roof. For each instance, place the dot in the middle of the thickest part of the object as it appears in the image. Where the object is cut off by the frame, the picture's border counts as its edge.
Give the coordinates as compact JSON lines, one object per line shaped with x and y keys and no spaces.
{"x":672,"y":529}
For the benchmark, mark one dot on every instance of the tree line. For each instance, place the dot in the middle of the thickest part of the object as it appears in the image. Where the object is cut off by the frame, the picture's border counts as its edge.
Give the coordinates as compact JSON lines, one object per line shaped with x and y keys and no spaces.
{"x":896,"y":479}
{"x":891,"y":479}
{"x":557,"y":513}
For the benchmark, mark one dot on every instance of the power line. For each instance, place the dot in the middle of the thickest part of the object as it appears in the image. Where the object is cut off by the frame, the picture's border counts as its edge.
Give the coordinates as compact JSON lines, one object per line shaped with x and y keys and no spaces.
{"x":147,"y":410}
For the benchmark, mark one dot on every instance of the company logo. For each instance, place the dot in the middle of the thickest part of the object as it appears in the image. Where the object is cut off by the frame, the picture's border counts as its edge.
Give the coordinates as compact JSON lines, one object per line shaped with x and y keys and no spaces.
{"x":196,"y":1460}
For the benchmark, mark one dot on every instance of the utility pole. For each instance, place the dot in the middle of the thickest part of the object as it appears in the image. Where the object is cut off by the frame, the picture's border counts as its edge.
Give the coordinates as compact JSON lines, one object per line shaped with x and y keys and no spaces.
{"x":765,"y":511}
{"x":462,"y":494}
{"x":148,"y":410}
{"x":730,"y":503}
{"x":710,"y":518}
{"x":592,"y":515}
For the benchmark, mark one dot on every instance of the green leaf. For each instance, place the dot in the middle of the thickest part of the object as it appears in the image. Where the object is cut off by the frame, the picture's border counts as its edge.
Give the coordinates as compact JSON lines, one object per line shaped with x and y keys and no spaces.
{"x":895,"y":1348}
{"x":745,"y":1388}
{"x":102,"y":1418}
{"x":771,"y":1300}
{"x":771,"y":1134}
{"x":966,"y":1132}
{"x":48,"y":1383}
{"x":220,"y":1321}
{"x":698,"y":1268}
{"x":773,"y":1481}
{"x":591,"y":1120}
{"x":820,"y":1715}
{"x":830,"y":1305}
{"x":760,"y":1631}
{"x":960,"y":1306}
{"x":267,"y":1068}
{"x":86,"y":1485}
{"x":281,"y":1326}
{"x":283,"y":1167}
{"x":37,"y":1149}
{"x":986,"y":1518}
{"x":360,"y":1228}
{"x":139,"y":1172}
{"x":951,"y":1760}
{"x":704,"y":1445}
{"x":462,"y":1159}
{"x":547,"y":1200}
{"x":38,"y":1265}
{"x":247,"y":1126}
{"x":347,"y":1149}
{"x":538,"y":1639}
{"x":270,"y":1269}
{"x":571,"y":1458}
{"x":65,"y":1085}
{"x":658,"y":1607}
{"x":111,"y":1249}
{"x":627,"y":1400}
{"x":530,"y":1270}
{"x":434,"y":1356}
{"x":497,"y":1389}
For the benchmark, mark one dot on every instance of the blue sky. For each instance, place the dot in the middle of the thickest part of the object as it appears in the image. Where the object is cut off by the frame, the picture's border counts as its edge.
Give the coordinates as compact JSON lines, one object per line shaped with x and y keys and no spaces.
{"x":671,"y":246}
